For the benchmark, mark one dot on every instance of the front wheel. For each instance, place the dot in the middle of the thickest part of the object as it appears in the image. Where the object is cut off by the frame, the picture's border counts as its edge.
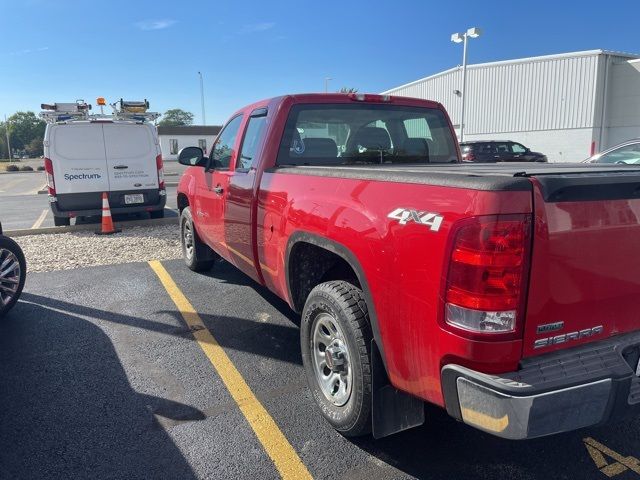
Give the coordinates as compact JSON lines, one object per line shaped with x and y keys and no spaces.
{"x":335,"y":338}
{"x":197,"y":255}
{"x":13,"y":271}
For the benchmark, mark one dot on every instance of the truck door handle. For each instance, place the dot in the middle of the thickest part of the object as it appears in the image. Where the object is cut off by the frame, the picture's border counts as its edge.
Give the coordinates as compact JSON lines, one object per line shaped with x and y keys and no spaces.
{"x":218,"y":190}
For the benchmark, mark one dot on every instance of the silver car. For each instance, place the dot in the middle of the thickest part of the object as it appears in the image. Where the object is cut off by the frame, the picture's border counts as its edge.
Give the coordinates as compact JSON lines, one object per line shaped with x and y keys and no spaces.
{"x":627,"y":153}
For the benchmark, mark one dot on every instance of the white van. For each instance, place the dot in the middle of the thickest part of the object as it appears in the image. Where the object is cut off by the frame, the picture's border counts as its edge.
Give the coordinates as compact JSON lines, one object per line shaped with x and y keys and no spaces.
{"x":88,"y":156}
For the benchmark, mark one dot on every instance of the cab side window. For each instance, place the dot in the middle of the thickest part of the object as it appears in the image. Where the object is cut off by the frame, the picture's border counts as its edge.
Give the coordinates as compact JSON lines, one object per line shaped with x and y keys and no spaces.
{"x":222,"y":151}
{"x":251,"y":142}
{"x":517,"y":148}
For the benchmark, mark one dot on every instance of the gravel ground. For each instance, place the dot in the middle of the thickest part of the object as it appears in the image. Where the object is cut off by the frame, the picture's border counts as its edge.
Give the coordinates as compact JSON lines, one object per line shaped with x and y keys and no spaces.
{"x":66,"y":251}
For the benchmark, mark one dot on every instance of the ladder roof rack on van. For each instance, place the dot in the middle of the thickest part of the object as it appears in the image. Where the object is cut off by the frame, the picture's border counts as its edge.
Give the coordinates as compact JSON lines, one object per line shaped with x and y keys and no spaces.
{"x":60,"y":112}
{"x":135,"y":111}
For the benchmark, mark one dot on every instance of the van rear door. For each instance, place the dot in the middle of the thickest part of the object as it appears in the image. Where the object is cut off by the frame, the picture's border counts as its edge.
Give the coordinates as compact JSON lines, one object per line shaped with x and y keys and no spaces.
{"x":131,"y":152}
{"x":77,"y":154}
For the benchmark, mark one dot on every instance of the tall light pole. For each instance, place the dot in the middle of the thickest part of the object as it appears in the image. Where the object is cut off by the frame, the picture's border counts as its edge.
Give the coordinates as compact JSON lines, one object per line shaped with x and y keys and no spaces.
{"x":326,"y":84}
{"x":204,"y":119}
{"x":462,"y":38}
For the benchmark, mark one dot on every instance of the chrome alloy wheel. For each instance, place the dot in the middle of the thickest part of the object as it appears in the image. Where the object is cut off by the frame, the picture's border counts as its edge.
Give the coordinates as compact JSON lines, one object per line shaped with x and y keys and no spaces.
{"x":331,"y":359}
{"x":187,"y":239}
{"x":9,"y":276}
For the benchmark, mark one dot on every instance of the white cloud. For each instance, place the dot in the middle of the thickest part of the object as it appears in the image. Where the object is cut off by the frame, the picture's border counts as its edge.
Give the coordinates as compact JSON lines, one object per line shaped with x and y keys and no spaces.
{"x":257,"y":27}
{"x":154,"y":24}
{"x":27,"y":51}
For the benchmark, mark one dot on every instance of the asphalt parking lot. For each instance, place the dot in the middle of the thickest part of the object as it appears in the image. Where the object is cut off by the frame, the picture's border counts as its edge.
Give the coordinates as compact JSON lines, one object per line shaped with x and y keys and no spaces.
{"x":23,"y":208}
{"x":148,"y":370}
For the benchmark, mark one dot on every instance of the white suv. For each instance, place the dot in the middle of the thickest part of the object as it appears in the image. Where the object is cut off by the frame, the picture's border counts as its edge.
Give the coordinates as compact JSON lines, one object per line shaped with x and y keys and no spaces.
{"x":86,"y":157}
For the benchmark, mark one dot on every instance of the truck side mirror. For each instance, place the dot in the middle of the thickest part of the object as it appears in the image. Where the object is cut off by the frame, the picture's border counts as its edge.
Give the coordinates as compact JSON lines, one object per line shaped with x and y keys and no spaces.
{"x":192,"y":157}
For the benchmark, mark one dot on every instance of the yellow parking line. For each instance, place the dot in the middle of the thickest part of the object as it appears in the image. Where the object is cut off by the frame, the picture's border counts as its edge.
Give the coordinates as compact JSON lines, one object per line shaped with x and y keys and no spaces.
{"x":282,"y":454}
{"x":40,"y":219}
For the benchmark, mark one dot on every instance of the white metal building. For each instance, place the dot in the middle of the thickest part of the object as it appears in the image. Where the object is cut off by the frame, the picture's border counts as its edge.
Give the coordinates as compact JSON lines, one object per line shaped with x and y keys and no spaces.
{"x":565,"y":106}
{"x":173,"y":139}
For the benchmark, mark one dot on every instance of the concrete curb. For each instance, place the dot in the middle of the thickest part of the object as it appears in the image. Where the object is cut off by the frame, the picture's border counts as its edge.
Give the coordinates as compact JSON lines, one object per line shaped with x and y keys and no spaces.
{"x":89,"y":227}
{"x":3,"y":172}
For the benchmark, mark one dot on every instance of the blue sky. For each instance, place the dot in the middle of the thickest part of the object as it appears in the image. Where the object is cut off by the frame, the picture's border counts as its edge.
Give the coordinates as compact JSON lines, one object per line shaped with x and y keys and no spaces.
{"x":61,"y":50}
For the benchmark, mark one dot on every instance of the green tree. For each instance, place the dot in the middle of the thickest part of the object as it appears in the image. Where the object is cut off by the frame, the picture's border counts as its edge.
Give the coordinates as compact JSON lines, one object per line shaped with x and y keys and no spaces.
{"x":35,"y":148}
{"x":4,"y":153}
{"x":175,"y":117}
{"x":24,"y":127}
{"x":348,"y":90}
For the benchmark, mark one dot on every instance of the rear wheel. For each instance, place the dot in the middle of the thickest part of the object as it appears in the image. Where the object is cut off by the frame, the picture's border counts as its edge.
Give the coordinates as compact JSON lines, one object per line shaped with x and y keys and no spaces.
{"x":335,"y":338}
{"x":157,"y":214}
{"x":13,"y":271}
{"x":197,"y":255}
{"x":61,"y":221}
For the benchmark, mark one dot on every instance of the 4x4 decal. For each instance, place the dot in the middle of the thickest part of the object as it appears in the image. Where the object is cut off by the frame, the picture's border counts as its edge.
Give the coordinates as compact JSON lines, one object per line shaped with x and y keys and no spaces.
{"x":406,"y":215}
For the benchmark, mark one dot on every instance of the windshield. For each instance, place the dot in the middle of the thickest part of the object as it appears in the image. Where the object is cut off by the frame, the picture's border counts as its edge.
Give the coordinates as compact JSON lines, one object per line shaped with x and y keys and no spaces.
{"x":629,"y":154}
{"x":346,"y":134}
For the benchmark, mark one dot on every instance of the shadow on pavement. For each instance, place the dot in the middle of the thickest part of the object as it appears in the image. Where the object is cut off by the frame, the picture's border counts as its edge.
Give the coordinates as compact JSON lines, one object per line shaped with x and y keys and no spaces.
{"x":68,"y":409}
{"x":123,"y":217}
{"x":444,"y":449}
{"x":225,"y":272}
{"x":259,"y":338}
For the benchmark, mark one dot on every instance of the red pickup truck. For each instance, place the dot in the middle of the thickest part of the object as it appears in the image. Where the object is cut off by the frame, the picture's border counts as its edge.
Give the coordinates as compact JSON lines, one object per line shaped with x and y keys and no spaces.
{"x":508,"y":294}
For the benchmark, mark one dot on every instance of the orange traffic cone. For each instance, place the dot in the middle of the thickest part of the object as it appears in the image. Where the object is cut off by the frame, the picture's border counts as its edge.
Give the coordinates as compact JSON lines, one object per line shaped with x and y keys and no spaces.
{"x":107,"y":222}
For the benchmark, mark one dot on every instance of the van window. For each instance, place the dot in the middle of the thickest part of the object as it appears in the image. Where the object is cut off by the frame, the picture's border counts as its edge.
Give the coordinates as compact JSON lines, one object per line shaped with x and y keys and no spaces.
{"x":173,"y":146}
{"x":251,"y":142}
{"x":78,"y":142}
{"x":128,"y":141}
{"x":222,"y":150}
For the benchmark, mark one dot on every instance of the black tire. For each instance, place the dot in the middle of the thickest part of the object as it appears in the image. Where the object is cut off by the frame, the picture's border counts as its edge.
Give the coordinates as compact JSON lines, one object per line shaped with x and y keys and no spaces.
{"x":199,"y":257}
{"x":61,"y":221}
{"x":157,"y":214}
{"x":346,"y":304}
{"x":9,"y":247}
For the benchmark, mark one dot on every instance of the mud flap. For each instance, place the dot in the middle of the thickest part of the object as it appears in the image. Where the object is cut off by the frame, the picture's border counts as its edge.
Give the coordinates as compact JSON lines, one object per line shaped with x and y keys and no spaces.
{"x":392,"y":410}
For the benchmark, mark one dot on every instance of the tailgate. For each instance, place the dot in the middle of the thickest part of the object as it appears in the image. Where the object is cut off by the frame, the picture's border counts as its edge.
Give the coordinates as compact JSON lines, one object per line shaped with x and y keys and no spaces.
{"x":131,"y":156}
{"x":585,"y":268}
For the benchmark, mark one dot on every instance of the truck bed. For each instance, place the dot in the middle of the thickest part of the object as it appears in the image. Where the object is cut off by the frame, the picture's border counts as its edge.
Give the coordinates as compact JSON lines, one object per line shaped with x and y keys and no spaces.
{"x":498,"y":176}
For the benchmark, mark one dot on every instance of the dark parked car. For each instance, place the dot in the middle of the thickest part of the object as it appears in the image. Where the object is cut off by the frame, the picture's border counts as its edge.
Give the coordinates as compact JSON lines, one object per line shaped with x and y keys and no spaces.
{"x":627,"y":153}
{"x":489,"y":151}
{"x":13,"y":271}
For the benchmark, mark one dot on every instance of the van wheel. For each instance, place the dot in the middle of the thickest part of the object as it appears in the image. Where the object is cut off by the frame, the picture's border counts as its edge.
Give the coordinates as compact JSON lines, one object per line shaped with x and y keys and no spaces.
{"x":157,"y":214}
{"x":61,"y":221}
{"x":12,"y":274}
{"x":335,"y":338}
{"x":197,"y":255}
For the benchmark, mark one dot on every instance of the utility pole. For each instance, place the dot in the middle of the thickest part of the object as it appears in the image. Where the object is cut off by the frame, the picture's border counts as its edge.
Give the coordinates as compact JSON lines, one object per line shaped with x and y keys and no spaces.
{"x":204,"y":119}
{"x":6,"y":129}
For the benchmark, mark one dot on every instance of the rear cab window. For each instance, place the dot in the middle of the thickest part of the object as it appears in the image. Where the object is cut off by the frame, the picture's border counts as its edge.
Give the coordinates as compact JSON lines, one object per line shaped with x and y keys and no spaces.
{"x":347,"y":134}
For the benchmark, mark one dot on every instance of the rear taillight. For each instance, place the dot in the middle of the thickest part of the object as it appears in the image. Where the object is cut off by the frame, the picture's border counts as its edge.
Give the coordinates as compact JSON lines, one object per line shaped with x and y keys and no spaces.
{"x":160,"y":168}
{"x":487,"y":275}
{"x":51,"y":185}
{"x":468,"y":157}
